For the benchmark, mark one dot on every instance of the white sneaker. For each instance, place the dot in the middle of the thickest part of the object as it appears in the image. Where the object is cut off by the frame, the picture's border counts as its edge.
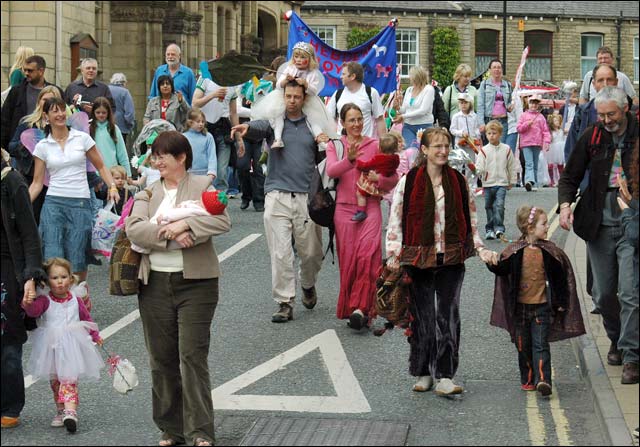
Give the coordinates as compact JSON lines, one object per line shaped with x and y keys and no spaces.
{"x":446,"y":387}
{"x":277,"y":144}
{"x":57,"y":419}
{"x":423,"y":384}
{"x":322,"y":147}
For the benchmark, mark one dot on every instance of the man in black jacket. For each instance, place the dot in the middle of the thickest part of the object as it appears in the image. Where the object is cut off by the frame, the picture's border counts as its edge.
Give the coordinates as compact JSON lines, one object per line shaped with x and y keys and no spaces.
{"x":606,"y":149}
{"x":22,"y":98}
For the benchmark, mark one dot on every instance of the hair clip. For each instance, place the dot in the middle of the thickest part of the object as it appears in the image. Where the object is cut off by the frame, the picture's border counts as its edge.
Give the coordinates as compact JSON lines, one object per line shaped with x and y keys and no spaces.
{"x":532,"y":215}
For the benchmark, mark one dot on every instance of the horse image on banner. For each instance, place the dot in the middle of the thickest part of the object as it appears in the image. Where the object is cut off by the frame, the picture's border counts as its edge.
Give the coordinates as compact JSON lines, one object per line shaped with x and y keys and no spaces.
{"x":377,"y":56}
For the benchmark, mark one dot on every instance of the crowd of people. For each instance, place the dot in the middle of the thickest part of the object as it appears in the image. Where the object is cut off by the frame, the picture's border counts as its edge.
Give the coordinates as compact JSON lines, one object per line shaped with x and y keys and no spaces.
{"x":50,"y":193}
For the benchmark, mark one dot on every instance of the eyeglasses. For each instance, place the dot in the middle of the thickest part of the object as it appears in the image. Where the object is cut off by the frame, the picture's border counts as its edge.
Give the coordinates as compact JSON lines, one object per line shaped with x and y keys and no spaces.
{"x":162,"y":157}
{"x":609,"y":115}
{"x":355,"y":120}
{"x":440,"y":147}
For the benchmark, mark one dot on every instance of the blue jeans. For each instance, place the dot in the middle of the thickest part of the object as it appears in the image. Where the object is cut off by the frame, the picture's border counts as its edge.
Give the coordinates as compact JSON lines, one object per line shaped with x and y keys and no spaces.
{"x":410,"y":133}
{"x":65,"y":228}
{"x":232,"y":181}
{"x":611,"y":259}
{"x":532,"y":333}
{"x":512,"y":141}
{"x":12,"y":380}
{"x":494,"y":206}
{"x":223,"y":152}
{"x":531,"y":157}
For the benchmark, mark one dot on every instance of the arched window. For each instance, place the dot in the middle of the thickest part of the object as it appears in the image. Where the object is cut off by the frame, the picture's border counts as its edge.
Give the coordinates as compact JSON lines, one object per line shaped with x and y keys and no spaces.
{"x":486,"y":48}
{"x":540,"y":45}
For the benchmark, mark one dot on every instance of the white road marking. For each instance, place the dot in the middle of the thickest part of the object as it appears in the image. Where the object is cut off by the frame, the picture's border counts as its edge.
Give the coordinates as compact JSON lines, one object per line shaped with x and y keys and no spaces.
{"x":349,"y":396}
{"x":133,"y":316}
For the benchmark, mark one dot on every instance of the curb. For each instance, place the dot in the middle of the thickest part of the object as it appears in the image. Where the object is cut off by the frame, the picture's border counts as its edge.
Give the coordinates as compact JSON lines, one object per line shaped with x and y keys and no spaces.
{"x":592,"y":370}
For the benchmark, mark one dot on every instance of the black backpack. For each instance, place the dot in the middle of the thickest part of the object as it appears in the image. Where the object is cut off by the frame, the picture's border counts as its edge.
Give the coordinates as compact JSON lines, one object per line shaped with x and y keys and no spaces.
{"x":321,"y":201}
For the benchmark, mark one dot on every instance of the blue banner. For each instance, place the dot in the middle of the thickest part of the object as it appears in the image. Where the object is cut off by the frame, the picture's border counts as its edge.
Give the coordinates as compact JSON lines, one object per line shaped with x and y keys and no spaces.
{"x":377,"y":57}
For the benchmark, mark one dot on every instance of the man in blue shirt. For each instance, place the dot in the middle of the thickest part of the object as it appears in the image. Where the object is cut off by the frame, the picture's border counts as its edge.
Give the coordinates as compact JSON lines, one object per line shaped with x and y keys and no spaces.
{"x":183,"y":78}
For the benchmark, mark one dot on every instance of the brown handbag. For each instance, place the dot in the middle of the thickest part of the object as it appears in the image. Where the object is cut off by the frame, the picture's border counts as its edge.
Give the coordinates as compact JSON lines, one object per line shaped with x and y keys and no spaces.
{"x":123,"y":267}
{"x":392,"y":298}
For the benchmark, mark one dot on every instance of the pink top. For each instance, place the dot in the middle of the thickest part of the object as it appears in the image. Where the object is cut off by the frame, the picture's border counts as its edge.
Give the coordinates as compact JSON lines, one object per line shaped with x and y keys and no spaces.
{"x":41,"y":304}
{"x":535,"y":134}
{"x":499,"y":107}
{"x":349,"y":174}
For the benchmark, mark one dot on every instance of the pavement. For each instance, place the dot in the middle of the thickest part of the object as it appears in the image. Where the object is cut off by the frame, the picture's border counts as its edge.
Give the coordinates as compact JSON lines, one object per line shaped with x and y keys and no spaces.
{"x":616,"y":405}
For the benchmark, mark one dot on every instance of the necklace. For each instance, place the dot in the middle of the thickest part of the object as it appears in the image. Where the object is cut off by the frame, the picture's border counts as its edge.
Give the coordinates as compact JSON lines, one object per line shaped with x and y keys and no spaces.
{"x":60,"y":140}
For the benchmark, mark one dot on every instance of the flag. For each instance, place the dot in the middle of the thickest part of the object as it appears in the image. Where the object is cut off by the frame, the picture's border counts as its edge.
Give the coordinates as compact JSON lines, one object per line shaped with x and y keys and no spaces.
{"x":377,"y":56}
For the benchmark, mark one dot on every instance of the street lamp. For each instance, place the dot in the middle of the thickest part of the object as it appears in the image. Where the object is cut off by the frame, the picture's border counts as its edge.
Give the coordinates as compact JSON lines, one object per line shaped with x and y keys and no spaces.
{"x":504,"y":37}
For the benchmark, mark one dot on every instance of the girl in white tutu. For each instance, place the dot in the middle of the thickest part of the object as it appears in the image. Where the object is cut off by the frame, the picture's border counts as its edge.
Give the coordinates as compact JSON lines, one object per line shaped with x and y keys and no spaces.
{"x":303,"y":68}
{"x":555,"y":157}
{"x":63,"y":350}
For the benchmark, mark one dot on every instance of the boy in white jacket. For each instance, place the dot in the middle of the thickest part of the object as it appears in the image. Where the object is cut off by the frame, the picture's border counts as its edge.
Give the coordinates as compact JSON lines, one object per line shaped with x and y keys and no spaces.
{"x":496,"y":166}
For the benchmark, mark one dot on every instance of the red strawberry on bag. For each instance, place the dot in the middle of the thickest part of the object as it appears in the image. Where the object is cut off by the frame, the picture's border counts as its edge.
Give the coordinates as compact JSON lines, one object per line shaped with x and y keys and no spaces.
{"x":215,"y":202}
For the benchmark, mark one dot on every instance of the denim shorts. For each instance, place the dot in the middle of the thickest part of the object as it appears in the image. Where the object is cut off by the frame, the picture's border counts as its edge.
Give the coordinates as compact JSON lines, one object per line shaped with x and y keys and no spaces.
{"x":65,"y":229}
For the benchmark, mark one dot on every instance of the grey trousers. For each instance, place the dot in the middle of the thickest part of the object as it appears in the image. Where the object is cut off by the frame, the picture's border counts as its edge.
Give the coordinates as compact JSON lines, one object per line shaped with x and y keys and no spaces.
{"x":611,"y":258}
{"x":176,"y":316}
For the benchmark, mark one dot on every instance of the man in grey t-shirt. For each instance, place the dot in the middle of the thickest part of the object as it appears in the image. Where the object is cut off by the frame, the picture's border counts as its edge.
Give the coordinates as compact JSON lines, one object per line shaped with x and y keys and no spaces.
{"x":286,"y":217}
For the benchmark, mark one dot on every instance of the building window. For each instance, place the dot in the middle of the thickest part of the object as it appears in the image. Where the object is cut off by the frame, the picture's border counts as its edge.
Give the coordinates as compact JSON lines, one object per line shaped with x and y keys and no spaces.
{"x":407,"y":50}
{"x":83,"y":46}
{"x":326,"y":33}
{"x":486,"y":49}
{"x":589,"y":46}
{"x":636,"y":75}
{"x":540,"y":45}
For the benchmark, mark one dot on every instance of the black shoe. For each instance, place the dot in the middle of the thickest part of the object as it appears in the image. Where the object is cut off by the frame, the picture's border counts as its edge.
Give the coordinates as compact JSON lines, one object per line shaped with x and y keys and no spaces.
{"x":614,"y":356}
{"x":309,"y":297}
{"x":629,"y":374}
{"x":284,"y":314}
{"x":245,"y":204}
{"x":528,"y":186}
{"x":259,"y":208}
{"x":544,"y":388}
{"x":357,"y":320}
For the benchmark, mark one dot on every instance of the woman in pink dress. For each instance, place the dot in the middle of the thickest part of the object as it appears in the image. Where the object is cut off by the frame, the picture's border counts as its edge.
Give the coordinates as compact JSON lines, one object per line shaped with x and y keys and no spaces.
{"x":359,"y":243}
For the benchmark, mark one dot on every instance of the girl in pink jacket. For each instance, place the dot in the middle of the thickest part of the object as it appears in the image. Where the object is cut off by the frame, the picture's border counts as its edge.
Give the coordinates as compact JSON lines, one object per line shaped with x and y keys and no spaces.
{"x":534,"y":136}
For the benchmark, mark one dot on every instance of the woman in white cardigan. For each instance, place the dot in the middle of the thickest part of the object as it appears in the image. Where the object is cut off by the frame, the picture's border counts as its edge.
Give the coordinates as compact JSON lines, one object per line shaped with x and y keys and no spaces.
{"x":416,"y":111}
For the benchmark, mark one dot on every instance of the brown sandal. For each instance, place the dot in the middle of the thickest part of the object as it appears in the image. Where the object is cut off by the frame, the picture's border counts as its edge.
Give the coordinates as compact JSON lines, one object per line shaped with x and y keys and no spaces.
{"x":202,"y":441}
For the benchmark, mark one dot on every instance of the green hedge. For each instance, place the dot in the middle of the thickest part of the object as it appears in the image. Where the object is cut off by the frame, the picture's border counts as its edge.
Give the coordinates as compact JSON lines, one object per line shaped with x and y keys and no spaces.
{"x":358,"y":36}
{"x":446,"y":54}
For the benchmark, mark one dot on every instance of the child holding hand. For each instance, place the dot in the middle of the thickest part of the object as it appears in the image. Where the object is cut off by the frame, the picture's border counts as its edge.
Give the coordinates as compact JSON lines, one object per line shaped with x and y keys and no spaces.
{"x":63,"y":351}
{"x":535,"y":298}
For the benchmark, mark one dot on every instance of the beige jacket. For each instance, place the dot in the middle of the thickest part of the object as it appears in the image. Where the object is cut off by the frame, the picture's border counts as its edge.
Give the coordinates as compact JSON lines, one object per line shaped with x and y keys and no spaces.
{"x":496,"y":165}
{"x":201,"y":260}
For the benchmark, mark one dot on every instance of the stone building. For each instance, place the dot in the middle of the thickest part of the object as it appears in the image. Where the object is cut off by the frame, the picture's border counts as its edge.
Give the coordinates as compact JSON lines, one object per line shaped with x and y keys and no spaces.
{"x":130,"y":36}
{"x":563,"y":35}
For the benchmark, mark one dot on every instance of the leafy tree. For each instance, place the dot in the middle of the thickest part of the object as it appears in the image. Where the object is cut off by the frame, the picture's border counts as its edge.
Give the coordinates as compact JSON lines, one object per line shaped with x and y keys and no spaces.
{"x":446,"y":54}
{"x":358,"y":36}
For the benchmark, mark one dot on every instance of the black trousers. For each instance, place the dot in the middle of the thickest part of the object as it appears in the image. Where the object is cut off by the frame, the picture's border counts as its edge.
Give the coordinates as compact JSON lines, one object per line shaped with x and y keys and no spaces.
{"x":435,"y":329}
{"x":251,"y":183}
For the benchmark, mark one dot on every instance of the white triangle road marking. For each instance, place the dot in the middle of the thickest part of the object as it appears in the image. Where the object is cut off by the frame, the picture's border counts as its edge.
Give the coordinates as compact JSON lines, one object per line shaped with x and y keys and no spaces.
{"x":349,"y":396}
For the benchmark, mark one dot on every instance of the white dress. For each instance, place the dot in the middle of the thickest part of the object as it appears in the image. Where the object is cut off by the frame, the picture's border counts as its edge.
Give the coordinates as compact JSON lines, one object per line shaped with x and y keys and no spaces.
{"x":556,"y":150}
{"x":272,"y":107}
{"x":62,"y":345}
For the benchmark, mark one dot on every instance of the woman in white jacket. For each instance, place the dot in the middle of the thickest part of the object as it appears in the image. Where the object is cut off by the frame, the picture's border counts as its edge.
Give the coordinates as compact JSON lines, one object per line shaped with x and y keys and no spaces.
{"x":415,"y":108}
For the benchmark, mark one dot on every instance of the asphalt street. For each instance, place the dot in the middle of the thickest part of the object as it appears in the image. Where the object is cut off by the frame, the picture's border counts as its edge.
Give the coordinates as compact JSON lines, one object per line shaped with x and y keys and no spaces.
{"x":323,"y":369}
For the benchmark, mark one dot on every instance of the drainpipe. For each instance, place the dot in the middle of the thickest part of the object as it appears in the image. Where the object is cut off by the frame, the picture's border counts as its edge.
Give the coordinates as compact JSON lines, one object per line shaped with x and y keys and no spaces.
{"x":59,"y":43}
{"x":619,"y":30}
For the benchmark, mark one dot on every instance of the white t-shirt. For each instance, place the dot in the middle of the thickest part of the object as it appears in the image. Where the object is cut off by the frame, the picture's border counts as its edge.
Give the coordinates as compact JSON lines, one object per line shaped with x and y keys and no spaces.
{"x":151,"y":175}
{"x":214,"y":109}
{"x":624,"y":83}
{"x":67,"y":168}
{"x":370,"y":109}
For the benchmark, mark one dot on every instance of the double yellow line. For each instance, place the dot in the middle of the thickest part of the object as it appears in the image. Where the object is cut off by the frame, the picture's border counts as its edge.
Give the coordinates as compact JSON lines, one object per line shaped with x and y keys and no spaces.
{"x":537,"y":430}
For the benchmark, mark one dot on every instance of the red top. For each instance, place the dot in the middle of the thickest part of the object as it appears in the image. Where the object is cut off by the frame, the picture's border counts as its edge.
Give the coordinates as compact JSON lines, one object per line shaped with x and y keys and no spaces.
{"x":384,"y":164}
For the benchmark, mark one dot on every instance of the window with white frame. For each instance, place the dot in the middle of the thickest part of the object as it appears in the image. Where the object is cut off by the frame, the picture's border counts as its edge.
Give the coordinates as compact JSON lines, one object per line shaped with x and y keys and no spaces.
{"x":326,"y":34}
{"x":407,"y":50}
{"x":589,"y":46}
{"x":636,"y":74}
